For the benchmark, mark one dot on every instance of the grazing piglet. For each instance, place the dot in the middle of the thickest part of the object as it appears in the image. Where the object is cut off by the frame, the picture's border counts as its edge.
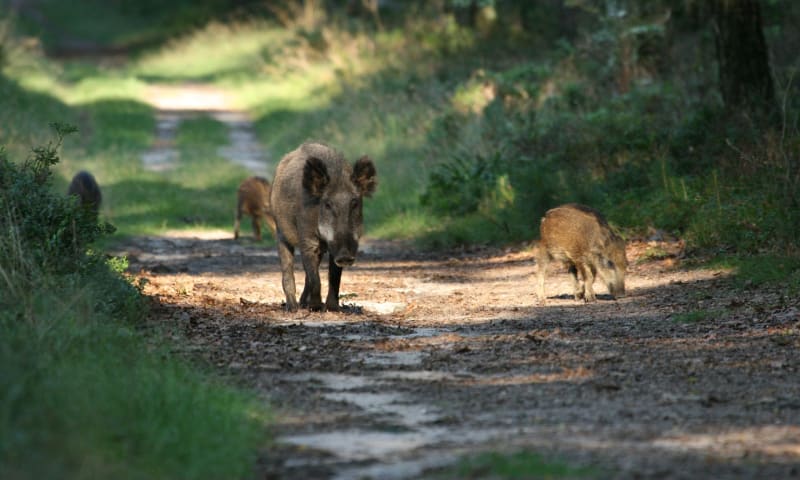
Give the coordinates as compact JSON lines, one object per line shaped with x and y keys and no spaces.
{"x":84,"y":186}
{"x":580,"y":237}
{"x":317,"y":203}
{"x":253,"y":200}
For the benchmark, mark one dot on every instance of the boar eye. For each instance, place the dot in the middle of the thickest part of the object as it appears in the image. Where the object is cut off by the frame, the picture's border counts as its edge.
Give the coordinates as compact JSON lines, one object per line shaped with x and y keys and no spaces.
{"x":328,"y":205}
{"x":354,"y":204}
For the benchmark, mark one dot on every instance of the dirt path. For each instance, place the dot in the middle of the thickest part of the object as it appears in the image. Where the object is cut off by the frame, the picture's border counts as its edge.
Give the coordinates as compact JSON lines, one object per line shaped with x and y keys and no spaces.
{"x":439,"y":355}
{"x":176,"y":103}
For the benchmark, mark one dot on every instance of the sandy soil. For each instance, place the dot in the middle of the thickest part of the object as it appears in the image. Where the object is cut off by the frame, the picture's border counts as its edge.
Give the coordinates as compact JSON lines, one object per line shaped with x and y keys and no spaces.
{"x":440,"y":355}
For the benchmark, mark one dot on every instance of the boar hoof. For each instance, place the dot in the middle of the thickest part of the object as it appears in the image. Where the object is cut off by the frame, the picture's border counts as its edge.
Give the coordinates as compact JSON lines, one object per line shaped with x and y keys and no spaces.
{"x":290,"y":307}
{"x":315,"y":307}
{"x":332,"y":307}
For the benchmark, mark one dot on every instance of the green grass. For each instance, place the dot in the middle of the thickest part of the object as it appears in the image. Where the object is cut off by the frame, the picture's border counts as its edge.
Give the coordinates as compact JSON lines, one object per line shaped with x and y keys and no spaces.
{"x":124,"y":27}
{"x":217,"y":51}
{"x":359,"y":110}
{"x":86,"y":397}
{"x":427,"y":93}
{"x":83,"y":392}
{"x":522,"y":464}
{"x":199,"y":193}
{"x":761,"y":270}
{"x":694,"y":316}
{"x":25,"y":115}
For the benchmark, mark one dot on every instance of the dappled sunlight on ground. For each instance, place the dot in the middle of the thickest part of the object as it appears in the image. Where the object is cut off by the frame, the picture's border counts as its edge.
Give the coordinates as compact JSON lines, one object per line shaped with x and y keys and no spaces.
{"x":436,"y":354}
{"x":770,"y":440}
{"x":200,"y":234}
{"x":189,"y":97}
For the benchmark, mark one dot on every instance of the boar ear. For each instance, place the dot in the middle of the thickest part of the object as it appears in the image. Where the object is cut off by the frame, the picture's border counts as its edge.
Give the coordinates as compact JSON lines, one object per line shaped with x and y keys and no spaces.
{"x":315,"y":177}
{"x":364,"y":176}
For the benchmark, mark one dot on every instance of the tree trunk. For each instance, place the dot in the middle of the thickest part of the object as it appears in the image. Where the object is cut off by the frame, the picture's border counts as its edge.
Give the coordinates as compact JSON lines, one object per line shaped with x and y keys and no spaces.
{"x":744,"y":73}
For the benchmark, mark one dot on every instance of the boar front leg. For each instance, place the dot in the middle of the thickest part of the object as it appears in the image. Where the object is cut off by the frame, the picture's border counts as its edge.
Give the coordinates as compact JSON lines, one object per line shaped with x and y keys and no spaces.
{"x":542,"y":260}
{"x":334,"y":280}
{"x":237,"y":219}
{"x":304,"y":297}
{"x":286,"y":255}
{"x":588,"y":280}
{"x":312,"y":294}
{"x":577,"y":285}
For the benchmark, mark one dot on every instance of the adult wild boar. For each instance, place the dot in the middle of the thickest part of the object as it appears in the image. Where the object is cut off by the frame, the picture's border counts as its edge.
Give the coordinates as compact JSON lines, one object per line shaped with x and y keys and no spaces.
{"x":252,"y":199}
{"x":580,"y":237}
{"x":84,"y":186}
{"x":317,"y":204}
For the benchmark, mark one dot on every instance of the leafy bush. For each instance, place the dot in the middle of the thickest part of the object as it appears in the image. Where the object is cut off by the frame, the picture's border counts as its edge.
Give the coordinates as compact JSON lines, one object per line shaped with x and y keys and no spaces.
{"x":52,"y":230}
{"x":459,"y":185}
{"x":82,"y":394}
{"x":726,"y":184}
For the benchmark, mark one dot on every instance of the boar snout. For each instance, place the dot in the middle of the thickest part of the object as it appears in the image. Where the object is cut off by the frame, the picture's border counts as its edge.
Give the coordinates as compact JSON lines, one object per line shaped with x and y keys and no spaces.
{"x":615,"y":283}
{"x":615,"y":265}
{"x":344,"y":260}
{"x":343,"y":251}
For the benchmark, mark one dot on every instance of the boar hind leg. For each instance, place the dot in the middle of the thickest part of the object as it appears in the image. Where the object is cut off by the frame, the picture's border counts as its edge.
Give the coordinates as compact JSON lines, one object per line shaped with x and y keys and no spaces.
{"x":286,"y":254}
{"x":542,"y":261}
{"x":334,"y":280}
{"x":237,"y":221}
{"x":312,"y":291}
{"x":270,"y":220}
{"x":256,"y":227}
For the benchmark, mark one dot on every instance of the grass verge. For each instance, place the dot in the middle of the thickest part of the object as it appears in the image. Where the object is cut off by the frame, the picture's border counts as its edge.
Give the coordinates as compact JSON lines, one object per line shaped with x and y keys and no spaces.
{"x":83,"y":394}
{"x":520,"y":464}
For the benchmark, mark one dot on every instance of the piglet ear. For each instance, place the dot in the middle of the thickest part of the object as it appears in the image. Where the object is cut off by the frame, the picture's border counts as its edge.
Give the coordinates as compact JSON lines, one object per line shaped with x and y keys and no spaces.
{"x":315,"y":177}
{"x":364,"y":176}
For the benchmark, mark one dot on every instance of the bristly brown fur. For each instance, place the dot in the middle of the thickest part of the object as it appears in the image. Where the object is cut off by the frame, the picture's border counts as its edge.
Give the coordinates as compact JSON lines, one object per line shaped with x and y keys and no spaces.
{"x":85,"y":187}
{"x":253,"y":200}
{"x":580,"y":237}
{"x":316,"y":200}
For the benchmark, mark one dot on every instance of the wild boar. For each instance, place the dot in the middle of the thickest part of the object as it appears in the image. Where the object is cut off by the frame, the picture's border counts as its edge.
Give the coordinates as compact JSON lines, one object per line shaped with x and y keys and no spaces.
{"x":84,"y":186}
{"x":580,"y":237}
{"x":253,"y":200}
{"x":317,"y":203}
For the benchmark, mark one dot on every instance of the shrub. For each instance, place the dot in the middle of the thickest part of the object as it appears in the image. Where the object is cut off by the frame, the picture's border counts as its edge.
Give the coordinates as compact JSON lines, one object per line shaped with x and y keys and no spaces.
{"x":51,"y":230}
{"x":458,"y":185}
{"x":82,"y":394}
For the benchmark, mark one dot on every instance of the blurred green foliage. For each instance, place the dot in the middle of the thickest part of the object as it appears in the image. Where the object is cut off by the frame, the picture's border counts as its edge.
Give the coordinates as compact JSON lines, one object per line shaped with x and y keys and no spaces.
{"x":614,"y":104}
